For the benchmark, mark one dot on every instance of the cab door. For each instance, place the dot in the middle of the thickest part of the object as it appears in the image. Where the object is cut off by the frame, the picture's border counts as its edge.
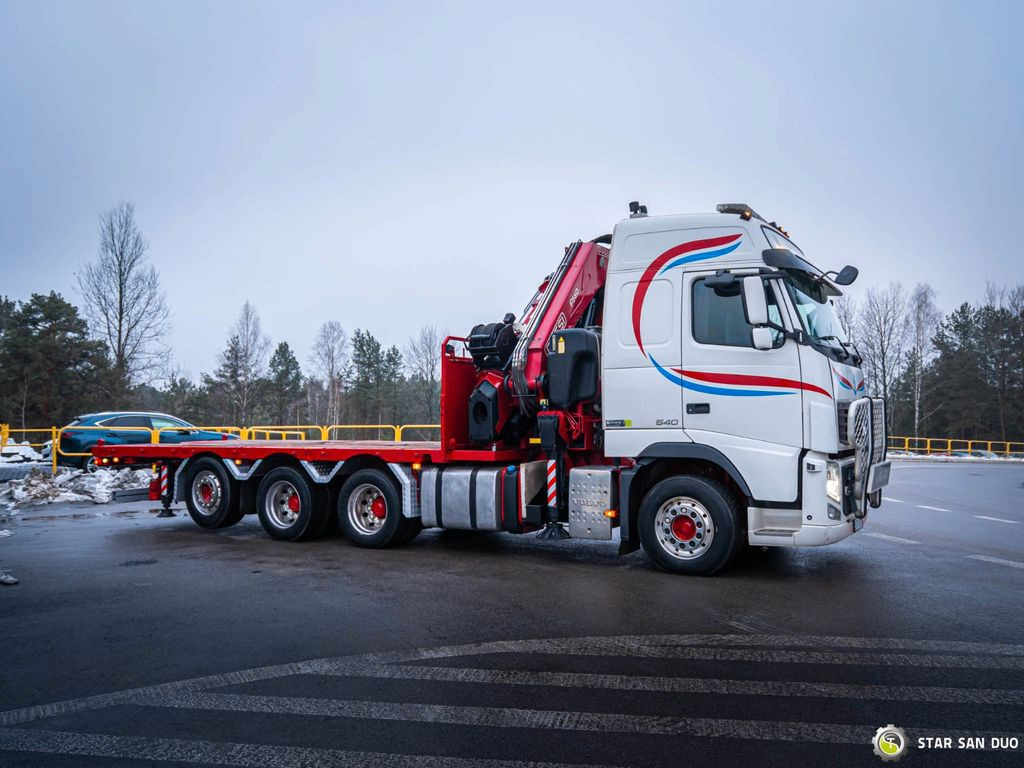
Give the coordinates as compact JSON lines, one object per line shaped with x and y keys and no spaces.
{"x":733,"y":393}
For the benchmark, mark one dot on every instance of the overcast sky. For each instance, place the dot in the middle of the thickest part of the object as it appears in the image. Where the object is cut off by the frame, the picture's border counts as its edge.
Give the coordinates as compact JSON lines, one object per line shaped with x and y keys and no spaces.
{"x":389,"y":165}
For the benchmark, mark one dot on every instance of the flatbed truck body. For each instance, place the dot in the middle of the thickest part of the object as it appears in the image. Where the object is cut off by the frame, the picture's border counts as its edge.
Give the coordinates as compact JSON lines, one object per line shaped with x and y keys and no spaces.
{"x":684,"y":380}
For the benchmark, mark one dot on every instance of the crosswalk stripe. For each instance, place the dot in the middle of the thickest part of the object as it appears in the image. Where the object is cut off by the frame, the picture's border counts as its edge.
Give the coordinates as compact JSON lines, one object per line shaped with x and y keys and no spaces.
{"x":235,"y":754}
{"x":687,"y":685}
{"x":791,"y":657}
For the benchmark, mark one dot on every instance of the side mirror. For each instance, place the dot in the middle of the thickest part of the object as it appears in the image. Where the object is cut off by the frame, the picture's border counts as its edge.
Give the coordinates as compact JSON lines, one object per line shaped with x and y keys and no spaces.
{"x":762,"y":338}
{"x":846,"y":275}
{"x":755,"y":305}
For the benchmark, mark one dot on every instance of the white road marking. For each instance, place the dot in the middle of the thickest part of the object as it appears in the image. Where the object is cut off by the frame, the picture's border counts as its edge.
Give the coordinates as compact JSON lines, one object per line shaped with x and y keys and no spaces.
{"x":998,"y":519}
{"x":229,"y":753}
{"x":996,"y":560}
{"x":686,"y":684}
{"x":193,"y":694}
{"x":890,"y":498}
{"x":933,"y":509}
{"x":887,"y":537}
{"x":507,"y":717}
{"x":626,"y":645}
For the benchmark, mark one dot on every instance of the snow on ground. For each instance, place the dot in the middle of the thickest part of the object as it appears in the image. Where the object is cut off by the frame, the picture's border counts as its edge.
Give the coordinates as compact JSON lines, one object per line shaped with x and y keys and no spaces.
{"x":952,"y":459}
{"x":15,"y":451}
{"x":40,"y":487}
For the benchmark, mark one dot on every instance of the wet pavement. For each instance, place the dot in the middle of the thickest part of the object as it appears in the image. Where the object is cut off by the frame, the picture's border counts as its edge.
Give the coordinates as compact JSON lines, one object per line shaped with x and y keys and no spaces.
{"x":133,"y":640}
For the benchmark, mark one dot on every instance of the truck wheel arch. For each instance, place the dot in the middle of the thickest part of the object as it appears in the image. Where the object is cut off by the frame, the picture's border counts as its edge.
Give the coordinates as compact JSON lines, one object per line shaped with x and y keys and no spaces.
{"x":661,"y":460}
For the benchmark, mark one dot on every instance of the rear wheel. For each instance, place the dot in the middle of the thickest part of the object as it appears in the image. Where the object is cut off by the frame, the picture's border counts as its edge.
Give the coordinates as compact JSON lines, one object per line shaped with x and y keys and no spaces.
{"x":290,"y":507}
{"x":211,"y":496}
{"x":370,"y":511}
{"x":690,"y":525}
{"x":88,"y":464}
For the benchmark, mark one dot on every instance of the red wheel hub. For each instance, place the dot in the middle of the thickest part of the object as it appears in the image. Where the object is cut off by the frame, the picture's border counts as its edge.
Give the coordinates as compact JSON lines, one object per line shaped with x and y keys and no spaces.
{"x":205,"y":493}
{"x":379,"y":508}
{"x":293,"y":503}
{"x":683,"y":528}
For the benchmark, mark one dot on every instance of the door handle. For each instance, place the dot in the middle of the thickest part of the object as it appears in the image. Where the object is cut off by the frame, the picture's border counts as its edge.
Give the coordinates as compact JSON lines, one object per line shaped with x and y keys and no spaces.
{"x":698,"y":408}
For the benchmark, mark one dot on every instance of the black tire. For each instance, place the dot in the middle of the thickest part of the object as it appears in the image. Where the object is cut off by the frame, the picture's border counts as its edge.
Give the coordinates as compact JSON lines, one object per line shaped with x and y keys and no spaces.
{"x":290,"y":506}
{"x":374,"y":493}
{"x":88,"y":464}
{"x":707,"y":540}
{"x":211,"y":496}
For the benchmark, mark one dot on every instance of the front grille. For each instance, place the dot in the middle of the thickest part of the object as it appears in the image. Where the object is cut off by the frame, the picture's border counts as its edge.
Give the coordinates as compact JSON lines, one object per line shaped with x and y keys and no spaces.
{"x":866,"y":432}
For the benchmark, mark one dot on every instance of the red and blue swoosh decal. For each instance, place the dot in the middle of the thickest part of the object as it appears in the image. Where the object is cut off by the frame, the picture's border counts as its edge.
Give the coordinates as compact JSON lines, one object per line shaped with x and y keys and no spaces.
{"x":729,"y":384}
{"x":684,"y":253}
{"x":760,"y":386}
{"x":845,"y":383}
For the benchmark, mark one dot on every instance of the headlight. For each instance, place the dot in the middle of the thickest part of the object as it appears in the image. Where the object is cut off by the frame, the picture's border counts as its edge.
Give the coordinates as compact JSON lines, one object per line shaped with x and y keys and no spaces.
{"x":833,"y":482}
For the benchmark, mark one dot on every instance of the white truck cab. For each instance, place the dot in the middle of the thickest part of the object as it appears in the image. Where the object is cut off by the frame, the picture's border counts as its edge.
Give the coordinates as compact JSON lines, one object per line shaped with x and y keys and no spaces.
{"x":721,"y":344}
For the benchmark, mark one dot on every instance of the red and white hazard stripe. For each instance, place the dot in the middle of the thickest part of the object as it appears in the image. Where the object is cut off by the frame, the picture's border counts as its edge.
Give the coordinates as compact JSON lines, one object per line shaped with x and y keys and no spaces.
{"x":163,"y":480}
{"x":552,"y":483}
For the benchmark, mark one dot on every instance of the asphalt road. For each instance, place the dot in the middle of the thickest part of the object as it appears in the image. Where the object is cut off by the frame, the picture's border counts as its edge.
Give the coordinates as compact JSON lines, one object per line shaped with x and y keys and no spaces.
{"x":134,"y":641}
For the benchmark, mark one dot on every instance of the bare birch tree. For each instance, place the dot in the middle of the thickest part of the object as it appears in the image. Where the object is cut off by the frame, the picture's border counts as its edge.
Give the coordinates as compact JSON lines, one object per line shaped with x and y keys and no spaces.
{"x":330,"y":359}
{"x":423,"y":360}
{"x":124,"y":304}
{"x":883,"y":334}
{"x":922,"y":321}
{"x":849,"y":316}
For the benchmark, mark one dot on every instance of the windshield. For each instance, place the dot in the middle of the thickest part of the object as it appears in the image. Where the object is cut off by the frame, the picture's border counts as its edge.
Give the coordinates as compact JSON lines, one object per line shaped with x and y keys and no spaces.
{"x":817,"y":312}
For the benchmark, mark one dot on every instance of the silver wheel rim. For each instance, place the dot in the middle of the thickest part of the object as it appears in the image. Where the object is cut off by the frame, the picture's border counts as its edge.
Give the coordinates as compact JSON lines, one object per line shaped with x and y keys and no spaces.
{"x":90,"y":464}
{"x":206,"y":492}
{"x":360,"y":512}
{"x":282,"y":504}
{"x":684,"y":508}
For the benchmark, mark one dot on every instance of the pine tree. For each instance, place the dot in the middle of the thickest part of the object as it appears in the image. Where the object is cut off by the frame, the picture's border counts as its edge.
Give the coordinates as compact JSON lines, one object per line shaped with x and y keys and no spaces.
{"x":49,"y":368}
{"x":284,"y":385}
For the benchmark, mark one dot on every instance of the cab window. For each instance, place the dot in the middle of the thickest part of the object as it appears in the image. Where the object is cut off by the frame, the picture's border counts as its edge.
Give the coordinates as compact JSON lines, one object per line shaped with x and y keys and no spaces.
{"x":718,"y":316}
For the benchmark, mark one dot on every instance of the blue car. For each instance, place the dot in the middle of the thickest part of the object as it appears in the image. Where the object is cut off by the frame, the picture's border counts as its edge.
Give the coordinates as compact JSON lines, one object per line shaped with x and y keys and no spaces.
{"x":120,"y":423}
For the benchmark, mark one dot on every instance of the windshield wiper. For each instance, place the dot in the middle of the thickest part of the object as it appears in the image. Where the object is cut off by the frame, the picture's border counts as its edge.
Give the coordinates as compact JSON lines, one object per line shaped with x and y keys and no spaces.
{"x":846,"y":349}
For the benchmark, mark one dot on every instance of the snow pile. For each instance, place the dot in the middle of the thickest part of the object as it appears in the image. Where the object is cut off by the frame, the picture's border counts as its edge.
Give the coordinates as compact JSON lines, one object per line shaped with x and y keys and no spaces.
{"x":15,"y":451}
{"x":40,"y":487}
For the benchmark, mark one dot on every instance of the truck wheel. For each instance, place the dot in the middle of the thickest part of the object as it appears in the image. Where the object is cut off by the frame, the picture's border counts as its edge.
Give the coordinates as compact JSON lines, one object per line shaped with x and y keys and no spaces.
{"x":289,"y":508}
{"x":370,"y":511}
{"x":211,"y":496}
{"x":690,"y":525}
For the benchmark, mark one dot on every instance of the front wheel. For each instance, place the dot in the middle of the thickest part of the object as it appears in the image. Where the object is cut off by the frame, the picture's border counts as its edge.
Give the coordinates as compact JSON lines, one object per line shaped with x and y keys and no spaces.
{"x":690,"y":525}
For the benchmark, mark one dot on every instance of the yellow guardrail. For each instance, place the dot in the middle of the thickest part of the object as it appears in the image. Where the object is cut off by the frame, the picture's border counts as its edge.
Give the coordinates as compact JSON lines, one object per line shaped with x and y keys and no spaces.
{"x":401,"y":429}
{"x":153,"y":436}
{"x":947,"y":445}
{"x":284,"y":431}
{"x":334,"y":427}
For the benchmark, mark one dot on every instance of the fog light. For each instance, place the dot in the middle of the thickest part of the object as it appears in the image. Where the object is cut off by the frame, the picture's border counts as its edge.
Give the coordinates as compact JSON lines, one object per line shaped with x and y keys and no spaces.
{"x":833,"y":513}
{"x":833,"y":484}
